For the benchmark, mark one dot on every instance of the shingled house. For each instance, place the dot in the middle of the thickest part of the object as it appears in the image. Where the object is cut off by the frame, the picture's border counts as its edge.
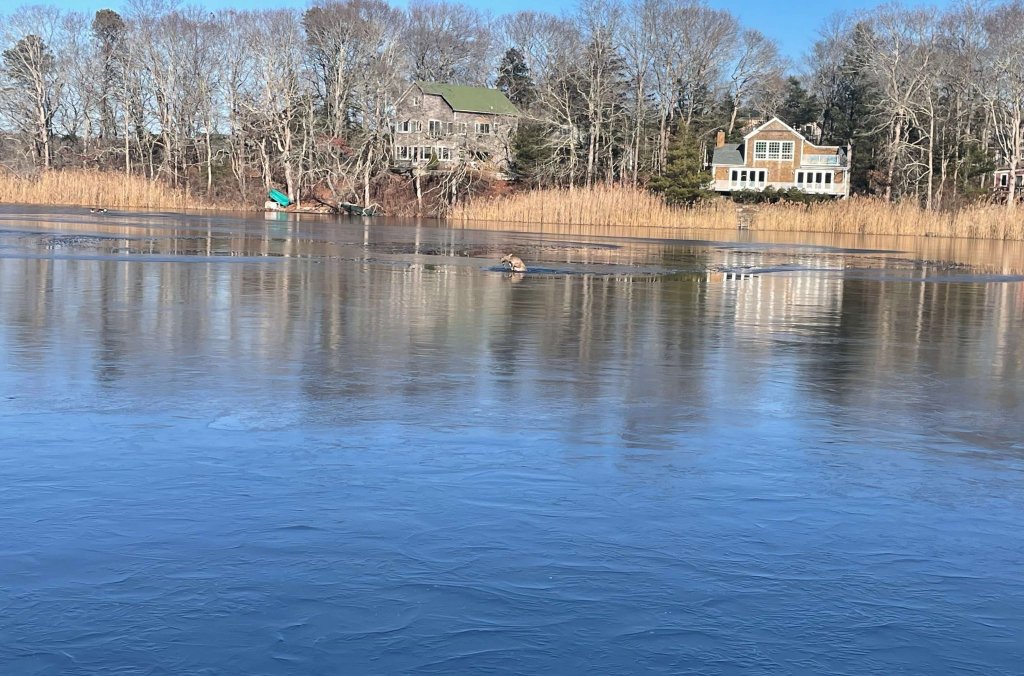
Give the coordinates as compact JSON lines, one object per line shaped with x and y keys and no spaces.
{"x":1004,"y":175}
{"x":777,"y":156}
{"x":440,"y":125}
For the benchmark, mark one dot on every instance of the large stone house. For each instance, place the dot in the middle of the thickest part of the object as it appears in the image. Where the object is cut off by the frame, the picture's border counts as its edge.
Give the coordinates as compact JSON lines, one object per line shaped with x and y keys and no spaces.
{"x":440,"y":126}
{"x":774,"y":155}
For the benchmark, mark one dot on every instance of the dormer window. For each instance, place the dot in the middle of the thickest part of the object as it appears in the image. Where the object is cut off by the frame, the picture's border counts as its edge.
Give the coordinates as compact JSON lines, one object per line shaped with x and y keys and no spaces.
{"x":773,"y":150}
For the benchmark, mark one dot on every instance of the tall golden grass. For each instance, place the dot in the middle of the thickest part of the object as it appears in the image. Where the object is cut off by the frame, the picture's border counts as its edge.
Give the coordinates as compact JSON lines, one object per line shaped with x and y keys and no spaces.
{"x":636,"y":208}
{"x":94,"y":189}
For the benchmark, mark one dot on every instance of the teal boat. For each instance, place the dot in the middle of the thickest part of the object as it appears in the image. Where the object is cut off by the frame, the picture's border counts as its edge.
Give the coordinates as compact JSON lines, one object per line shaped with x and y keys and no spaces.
{"x":279,"y":197}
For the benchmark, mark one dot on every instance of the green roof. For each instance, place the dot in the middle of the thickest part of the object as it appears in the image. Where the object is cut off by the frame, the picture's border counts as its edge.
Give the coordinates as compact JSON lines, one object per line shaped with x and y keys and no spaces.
{"x":465,"y":99}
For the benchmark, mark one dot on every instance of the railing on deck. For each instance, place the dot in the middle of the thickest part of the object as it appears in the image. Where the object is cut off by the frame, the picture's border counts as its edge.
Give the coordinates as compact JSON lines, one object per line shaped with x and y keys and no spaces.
{"x":821,"y":160}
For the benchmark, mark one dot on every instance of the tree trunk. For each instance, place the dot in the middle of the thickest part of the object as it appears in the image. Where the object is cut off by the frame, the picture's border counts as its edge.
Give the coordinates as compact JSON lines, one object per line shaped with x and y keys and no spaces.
{"x":897,"y":135}
{"x":931,"y":161}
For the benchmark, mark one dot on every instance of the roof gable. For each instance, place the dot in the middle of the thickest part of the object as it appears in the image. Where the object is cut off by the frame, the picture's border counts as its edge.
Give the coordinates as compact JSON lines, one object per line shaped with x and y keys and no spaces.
{"x":465,"y":99}
{"x":775,"y":124}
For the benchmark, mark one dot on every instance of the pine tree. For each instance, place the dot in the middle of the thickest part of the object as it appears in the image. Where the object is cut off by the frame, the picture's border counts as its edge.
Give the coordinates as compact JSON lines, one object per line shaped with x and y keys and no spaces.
{"x":848,"y":115}
{"x":685,"y":181}
{"x":514,"y":79}
{"x":531,"y":157}
{"x":799,"y":107}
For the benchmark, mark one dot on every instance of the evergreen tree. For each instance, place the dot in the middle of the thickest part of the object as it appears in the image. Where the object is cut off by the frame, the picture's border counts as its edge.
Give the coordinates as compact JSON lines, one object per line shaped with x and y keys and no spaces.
{"x":798,"y":107}
{"x":530,"y":154}
{"x":514,"y":79}
{"x":108,"y":29}
{"x":848,"y":114}
{"x":685,"y":181}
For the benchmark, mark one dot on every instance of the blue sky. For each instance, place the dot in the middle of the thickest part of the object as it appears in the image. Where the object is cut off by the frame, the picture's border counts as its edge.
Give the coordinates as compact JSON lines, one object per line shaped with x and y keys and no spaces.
{"x":793,"y":24}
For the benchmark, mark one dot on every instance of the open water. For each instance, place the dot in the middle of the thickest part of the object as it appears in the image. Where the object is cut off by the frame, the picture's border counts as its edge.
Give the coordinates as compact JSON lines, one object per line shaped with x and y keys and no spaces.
{"x":320,"y":446}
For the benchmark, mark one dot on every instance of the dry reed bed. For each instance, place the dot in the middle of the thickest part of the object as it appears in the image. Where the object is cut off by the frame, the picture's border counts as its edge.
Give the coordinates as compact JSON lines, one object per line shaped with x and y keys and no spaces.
{"x":636,"y":208}
{"x":602,"y":206}
{"x":94,"y":189}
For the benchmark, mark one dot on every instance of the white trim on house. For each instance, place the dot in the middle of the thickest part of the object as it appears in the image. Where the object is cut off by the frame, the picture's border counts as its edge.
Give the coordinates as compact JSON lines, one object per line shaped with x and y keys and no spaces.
{"x":748,"y":179}
{"x":835,"y":189}
{"x":423,"y":154}
{"x":817,"y":180}
{"x":814,"y":168}
{"x":1001,"y":179}
{"x":774,"y":119}
{"x":774,"y":150}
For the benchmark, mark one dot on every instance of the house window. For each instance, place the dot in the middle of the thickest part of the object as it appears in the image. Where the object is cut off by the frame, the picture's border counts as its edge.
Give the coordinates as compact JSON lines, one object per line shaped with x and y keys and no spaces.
{"x":434,"y":127}
{"x":403,"y":127}
{"x":404,"y":152}
{"x":444,"y":153}
{"x":415,"y":101}
{"x":1004,"y":181}
{"x":748,"y":178}
{"x":814,"y":180}
{"x":426,"y":152}
{"x":461,"y":128}
{"x":483,"y":128}
{"x":773,"y":150}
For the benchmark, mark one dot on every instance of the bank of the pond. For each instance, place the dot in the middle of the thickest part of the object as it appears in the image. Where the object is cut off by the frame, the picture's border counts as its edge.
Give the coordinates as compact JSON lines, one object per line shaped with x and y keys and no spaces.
{"x":624,"y":207}
{"x":634,"y":207}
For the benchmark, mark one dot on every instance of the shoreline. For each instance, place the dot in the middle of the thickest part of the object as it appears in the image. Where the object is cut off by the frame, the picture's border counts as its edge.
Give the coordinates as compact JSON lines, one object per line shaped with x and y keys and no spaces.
{"x":633,"y":211}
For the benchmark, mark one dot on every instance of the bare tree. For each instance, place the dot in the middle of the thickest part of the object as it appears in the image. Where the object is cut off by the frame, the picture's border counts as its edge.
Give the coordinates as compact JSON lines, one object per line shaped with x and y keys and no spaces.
{"x":33,"y":84}
{"x":694,"y":44}
{"x":639,"y":47}
{"x":357,"y":97}
{"x":274,"y":104}
{"x":901,"y":55}
{"x":1004,"y":85}
{"x":448,"y":42}
{"x":757,"y":62}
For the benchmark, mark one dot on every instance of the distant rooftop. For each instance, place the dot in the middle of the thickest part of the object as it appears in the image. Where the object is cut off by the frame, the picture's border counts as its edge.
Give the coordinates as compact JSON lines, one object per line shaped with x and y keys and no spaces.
{"x":465,"y":99}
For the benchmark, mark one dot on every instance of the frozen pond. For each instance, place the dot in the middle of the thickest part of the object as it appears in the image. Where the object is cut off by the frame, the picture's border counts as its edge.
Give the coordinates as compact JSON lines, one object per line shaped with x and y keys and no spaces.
{"x":240,"y":445}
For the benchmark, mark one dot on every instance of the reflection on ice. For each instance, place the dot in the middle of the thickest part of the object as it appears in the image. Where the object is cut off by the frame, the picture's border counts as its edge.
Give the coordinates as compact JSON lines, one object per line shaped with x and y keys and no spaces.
{"x":280,"y":446}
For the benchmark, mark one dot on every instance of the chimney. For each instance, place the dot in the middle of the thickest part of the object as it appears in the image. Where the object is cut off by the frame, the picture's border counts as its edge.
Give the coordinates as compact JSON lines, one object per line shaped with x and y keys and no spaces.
{"x":720,"y":139}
